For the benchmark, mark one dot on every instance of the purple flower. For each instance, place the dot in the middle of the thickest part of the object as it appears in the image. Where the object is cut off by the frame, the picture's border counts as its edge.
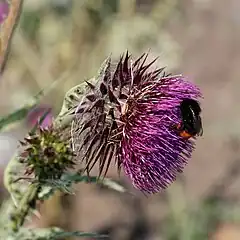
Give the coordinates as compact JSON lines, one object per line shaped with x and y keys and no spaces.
{"x":4,"y":10}
{"x":37,"y":113}
{"x":130,"y":116}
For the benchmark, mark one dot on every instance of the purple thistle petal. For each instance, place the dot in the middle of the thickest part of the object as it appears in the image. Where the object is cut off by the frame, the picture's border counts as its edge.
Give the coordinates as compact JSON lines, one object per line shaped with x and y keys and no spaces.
{"x":152,"y":150}
{"x":36,"y":113}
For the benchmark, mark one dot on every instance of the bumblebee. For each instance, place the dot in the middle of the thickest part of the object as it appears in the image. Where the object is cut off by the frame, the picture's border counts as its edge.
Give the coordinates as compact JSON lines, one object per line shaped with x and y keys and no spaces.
{"x":191,"y":124}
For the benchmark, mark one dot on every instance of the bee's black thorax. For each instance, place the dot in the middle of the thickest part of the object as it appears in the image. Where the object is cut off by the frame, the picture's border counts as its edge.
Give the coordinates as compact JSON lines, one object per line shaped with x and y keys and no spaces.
{"x":191,"y":120}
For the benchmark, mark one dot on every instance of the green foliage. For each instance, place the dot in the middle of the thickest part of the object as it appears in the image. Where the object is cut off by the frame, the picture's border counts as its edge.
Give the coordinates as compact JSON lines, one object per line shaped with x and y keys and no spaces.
{"x":30,"y":23}
{"x":106,"y":10}
{"x":64,"y":184}
{"x":198,"y":222}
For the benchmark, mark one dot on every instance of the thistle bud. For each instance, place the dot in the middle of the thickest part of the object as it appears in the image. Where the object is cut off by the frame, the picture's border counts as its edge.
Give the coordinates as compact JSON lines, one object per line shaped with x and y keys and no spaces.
{"x":46,"y":154}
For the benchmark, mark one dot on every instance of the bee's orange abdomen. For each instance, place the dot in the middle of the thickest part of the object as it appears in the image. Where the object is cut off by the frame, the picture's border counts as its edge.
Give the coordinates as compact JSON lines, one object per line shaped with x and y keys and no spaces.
{"x":185,"y":134}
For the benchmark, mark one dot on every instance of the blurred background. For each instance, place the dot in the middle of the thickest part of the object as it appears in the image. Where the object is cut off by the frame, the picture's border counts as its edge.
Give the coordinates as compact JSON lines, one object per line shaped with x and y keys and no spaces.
{"x":198,"y":38}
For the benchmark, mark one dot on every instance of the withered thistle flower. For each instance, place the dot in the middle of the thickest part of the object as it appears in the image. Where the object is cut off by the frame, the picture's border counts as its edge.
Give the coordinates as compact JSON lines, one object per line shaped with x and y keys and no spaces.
{"x":46,"y":154}
{"x":130,"y":116}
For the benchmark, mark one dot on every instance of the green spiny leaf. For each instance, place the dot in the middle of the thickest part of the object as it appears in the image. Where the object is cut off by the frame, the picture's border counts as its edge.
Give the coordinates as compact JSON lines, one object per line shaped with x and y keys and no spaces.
{"x":76,"y":178}
{"x":64,"y":184}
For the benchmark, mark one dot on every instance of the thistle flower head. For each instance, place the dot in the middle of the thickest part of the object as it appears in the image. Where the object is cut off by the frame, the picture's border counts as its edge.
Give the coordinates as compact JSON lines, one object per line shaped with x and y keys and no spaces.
{"x":46,"y":154}
{"x":130,"y":115}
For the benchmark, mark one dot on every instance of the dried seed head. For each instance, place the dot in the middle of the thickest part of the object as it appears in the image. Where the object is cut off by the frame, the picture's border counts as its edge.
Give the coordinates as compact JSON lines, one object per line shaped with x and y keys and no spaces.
{"x":130,"y":115}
